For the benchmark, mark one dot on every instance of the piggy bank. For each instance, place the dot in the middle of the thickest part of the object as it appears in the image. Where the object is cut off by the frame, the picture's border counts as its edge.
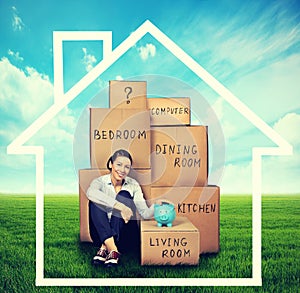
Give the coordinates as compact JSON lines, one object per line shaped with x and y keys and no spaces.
{"x":164,"y":214}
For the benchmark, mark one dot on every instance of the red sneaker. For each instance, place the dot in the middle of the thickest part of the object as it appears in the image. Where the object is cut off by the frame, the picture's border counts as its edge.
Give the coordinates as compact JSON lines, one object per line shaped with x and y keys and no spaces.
{"x":100,"y":257}
{"x":113,"y":258}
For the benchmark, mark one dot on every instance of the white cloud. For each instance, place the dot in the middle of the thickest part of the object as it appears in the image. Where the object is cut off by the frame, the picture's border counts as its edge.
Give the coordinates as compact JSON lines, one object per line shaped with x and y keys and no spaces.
{"x":19,"y":185}
{"x":289,"y":128}
{"x":244,"y":42}
{"x":17,"y":22}
{"x":24,"y":93}
{"x":88,"y":60}
{"x":67,"y":184}
{"x":237,"y":179}
{"x":11,"y":162}
{"x":233,"y":124}
{"x":250,"y":46}
{"x":16,"y":55}
{"x":271,"y":90}
{"x":119,"y":77}
{"x":24,"y":96}
{"x":149,"y":50}
{"x":281,"y":174}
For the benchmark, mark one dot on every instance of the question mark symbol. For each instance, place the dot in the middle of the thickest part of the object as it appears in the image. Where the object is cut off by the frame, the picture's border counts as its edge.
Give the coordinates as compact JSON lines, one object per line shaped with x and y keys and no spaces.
{"x":128,"y":91}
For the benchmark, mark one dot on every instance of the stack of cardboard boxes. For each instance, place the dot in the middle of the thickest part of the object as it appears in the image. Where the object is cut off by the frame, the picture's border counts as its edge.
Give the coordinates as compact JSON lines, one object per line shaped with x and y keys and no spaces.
{"x":124,"y":125}
{"x":170,"y":161}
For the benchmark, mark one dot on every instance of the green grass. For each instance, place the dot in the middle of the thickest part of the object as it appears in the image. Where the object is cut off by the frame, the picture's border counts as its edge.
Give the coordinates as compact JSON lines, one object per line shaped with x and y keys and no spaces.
{"x":66,"y":257}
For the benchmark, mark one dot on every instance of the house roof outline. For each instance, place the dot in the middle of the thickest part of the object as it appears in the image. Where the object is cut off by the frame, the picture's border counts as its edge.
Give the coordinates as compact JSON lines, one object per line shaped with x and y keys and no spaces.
{"x":62,"y":99}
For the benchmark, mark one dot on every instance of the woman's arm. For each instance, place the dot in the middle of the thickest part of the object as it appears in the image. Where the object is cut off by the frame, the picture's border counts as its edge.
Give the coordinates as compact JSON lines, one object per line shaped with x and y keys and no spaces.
{"x":140,"y":203}
{"x":95,"y":194}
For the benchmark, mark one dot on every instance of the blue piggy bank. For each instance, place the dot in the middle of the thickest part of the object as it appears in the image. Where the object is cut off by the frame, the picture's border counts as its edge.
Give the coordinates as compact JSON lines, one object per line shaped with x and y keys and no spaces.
{"x":164,"y":214}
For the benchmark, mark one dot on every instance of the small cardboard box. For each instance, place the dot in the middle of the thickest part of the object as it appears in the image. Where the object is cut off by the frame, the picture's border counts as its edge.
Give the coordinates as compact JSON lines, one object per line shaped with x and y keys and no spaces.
{"x":113,"y":129}
{"x":86,"y":176}
{"x":169,"y":111}
{"x":128,"y":94}
{"x":201,"y":205}
{"x":179,"y":156}
{"x":174,"y":245}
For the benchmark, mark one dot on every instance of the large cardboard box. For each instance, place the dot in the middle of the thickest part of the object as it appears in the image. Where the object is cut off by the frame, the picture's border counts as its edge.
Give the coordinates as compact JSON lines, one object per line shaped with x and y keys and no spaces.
{"x":86,"y":176}
{"x":169,"y":111}
{"x":174,"y":245}
{"x":201,"y":205}
{"x":128,"y":94}
{"x":113,"y":129}
{"x":179,"y":156}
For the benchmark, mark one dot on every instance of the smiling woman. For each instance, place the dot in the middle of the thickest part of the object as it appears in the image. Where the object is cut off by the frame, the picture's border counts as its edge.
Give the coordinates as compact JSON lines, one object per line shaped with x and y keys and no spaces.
{"x":114,"y":199}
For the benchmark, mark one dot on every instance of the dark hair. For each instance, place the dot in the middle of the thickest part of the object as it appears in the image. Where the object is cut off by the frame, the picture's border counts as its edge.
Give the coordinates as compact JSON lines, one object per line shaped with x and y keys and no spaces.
{"x":118,"y":153}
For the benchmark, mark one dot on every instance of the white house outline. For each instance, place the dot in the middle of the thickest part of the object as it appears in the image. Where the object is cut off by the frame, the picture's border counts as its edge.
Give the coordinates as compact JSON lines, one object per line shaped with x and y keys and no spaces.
{"x":61,"y":99}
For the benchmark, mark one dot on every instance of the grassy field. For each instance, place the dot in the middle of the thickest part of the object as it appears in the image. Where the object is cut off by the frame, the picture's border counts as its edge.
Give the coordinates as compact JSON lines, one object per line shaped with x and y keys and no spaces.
{"x":66,"y":257}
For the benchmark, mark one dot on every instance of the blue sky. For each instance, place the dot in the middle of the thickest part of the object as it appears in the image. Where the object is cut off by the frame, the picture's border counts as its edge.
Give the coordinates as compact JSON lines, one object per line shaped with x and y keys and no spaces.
{"x":252,"y":48}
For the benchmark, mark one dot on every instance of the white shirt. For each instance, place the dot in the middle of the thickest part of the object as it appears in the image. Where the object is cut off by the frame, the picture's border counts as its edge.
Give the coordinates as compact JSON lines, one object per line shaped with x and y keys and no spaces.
{"x":102,"y":191}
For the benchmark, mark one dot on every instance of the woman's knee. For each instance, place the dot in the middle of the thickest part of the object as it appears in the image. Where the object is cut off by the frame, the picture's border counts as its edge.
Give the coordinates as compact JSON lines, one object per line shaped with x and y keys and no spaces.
{"x":124,"y":193}
{"x":125,"y":197}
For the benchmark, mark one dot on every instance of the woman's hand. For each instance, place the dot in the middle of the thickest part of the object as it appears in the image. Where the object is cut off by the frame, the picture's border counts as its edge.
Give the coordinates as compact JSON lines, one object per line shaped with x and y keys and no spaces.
{"x":162,"y":200}
{"x":125,"y":211}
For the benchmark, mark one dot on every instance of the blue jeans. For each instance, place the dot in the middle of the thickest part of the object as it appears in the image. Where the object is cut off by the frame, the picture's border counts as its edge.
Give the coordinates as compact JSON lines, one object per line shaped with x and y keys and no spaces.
{"x":101,"y":228}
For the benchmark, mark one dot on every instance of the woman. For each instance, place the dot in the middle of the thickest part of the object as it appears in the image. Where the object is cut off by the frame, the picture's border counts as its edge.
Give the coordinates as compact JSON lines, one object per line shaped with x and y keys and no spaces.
{"x":114,"y":199}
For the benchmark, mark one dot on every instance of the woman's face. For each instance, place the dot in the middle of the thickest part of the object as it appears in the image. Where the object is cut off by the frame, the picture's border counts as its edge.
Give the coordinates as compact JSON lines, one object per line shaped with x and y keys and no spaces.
{"x":120,"y":168}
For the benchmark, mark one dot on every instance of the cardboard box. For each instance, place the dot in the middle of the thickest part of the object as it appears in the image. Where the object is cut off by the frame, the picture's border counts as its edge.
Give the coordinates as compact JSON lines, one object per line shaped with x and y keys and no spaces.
{"x":169,"y":111}
{"x":86,"y":176}
{"x":128,"y":94}
{"x":201,"y":205}
{"x":174,"y":245}
{"x":179,"y":156}
{"x":113,"y":129}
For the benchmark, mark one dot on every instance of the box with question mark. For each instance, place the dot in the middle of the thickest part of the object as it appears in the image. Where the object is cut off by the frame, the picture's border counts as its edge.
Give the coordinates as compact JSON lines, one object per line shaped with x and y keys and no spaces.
{"x":126,"y":94}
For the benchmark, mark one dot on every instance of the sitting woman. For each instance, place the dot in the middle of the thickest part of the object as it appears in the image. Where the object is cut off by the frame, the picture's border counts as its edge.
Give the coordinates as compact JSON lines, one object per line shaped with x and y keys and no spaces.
{"x":114,"y":199}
